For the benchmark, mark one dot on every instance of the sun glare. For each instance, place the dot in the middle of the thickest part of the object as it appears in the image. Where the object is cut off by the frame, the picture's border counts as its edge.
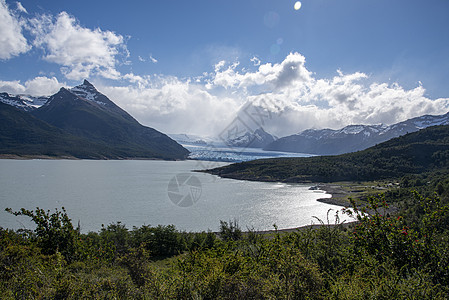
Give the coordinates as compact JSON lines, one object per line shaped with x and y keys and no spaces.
{"x":297,"y":5}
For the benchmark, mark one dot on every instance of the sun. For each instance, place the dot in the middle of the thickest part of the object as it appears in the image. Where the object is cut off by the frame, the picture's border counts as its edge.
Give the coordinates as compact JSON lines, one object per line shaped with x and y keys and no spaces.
{"x":297,"y":5}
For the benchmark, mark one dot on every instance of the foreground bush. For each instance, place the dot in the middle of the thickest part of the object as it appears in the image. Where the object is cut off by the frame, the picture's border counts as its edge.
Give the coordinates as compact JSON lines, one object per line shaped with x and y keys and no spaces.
{"x":381,"y":256}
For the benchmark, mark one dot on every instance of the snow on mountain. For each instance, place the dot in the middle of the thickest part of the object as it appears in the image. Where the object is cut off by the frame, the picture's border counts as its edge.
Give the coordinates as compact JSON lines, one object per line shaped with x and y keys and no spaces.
{"x":257,"y":139}
{"x":87,"y":91}
{"x":28,"y":103}
{"x":427,"y":121}
{"x":23,"y":102}
{"x":353,"y":137}
{"x":191,"y":139}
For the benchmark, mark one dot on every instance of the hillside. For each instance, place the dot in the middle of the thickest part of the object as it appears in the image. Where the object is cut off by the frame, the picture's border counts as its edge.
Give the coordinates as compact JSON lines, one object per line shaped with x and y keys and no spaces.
{"x":95,"y":121}
{"x":414,"y":153}
{"x":351,"y":138}
{"x":21,"y":134}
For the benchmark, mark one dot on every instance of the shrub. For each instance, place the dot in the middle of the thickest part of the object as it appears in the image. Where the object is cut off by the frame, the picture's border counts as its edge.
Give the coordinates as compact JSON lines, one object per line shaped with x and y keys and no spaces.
{"x":230,"y":231}
{"x":54,"y":232}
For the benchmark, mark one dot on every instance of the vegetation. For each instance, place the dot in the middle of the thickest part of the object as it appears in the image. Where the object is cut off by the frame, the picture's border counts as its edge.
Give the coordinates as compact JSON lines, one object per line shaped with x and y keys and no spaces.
{"x":384,"y":254}
{"x":21,"y":134}
{"x":86,"y":133}
{"x":381,"y":256}
{"x":414,"y":153}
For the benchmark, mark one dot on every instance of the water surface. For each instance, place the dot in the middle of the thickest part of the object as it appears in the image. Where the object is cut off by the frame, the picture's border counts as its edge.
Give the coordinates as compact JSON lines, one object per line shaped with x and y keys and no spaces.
{"x":136,"y":193}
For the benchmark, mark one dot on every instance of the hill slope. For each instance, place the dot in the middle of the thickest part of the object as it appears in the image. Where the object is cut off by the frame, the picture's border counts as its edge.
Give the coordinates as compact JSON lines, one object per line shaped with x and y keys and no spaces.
{"x":100,"y":128}
{"x":414,"y":153}
{"x":22,"y":134}
{"x":351,"y":138}
{"x":84,"y":112}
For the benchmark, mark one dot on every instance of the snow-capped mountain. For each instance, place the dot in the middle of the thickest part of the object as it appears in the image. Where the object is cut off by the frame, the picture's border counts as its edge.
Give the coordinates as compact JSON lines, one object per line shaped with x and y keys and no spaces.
{"x":88,"y":92}
{"x":28,"y":103}
{"x":93,"y":119}
{"x":23,"y":102}
{"x":257,"y":139}
{"x":190,"y":139}
{"x":351,"y":138}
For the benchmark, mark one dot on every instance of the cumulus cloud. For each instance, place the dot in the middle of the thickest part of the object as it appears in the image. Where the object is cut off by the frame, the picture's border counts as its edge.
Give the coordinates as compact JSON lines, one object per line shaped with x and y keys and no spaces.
{"x":39,"y":86}
{"x":80,"y":51}
{"x":173,"y":105}
{"x":12,"y":41}
{"x":341,"y":101}
{"x":271,"y":76}
{"x":284,"y":98}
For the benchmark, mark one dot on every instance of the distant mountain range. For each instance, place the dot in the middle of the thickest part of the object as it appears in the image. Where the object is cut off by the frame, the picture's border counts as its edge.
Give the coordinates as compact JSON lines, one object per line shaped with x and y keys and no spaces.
{"x":257,"y":139}
{"x":426,"y":150}
{"x":191,"y":139}
{"x":79,"y":122}
{"x":351,"y":138}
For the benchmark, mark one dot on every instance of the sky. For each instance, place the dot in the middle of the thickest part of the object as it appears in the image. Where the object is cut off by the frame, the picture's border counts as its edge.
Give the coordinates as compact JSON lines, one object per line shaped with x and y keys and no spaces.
{"x":199,"y":66}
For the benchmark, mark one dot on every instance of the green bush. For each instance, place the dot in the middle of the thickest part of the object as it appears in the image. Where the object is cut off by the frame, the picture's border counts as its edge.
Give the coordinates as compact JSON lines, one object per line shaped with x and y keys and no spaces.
{"x":383,"y":255}
{"x":54,"y":232}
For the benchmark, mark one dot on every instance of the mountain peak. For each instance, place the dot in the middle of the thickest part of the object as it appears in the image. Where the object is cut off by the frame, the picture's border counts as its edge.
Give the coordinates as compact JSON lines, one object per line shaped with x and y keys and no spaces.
{"x":86,"y":86}
{"x":87,"y":83}
{"x":352,"y":137}
{"x":256,"y":139}
{"x":87,"y":91}
{"x":63,"y":90}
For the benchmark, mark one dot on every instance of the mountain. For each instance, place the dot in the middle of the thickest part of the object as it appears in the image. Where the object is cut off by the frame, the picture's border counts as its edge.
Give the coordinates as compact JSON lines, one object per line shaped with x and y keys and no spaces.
{"x":23,"y":102}
{"x":257,"y":139}
{"x":426,"y":150}
{"x":89,"y":115}
{"x":351,"y":138}
{"x":190,"y":139}
{"x":22,"y":134}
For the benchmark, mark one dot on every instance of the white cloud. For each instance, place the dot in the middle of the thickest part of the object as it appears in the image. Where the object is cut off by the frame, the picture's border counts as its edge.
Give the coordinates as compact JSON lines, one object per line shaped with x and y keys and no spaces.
{"x":39,"y":86}
{"x":20,"y":8}
{"x":173,"y":105}
{"x":271,"y":76}
{"x":340,"y":101}
{"x":12,"y":41}
{"x":153,"y":60}
{"x":43,"y":86}
{"x":80,"y":51}
{"x":284,"y":98}
{"x":256,"y":61}
{"x":12,"y":87}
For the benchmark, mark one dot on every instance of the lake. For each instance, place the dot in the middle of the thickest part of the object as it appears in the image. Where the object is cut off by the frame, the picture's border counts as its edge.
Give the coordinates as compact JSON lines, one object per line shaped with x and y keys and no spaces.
{"x":138,"y":192}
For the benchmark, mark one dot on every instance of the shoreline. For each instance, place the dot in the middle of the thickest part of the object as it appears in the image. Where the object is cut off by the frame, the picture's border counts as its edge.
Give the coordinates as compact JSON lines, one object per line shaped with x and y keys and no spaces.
{"x":338,"y":194}
{"x":305,"y":227}
{"x":46,"y":157}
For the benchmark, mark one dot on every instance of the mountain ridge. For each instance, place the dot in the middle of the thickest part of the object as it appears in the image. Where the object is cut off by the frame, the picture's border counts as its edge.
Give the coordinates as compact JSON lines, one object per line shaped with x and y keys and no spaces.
{"x":351,"y":138}
{"x":414,"y":153}
{"x":84,"y":112}
{"x":259,"y":138}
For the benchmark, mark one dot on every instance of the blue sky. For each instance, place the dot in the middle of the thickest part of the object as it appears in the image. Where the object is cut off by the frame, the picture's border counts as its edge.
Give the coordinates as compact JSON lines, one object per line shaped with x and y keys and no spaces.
{"x":192,"y":65}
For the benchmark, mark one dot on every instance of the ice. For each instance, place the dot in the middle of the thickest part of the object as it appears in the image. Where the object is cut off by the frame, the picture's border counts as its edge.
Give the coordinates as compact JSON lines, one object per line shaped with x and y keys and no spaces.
{"x":213,"y":153}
